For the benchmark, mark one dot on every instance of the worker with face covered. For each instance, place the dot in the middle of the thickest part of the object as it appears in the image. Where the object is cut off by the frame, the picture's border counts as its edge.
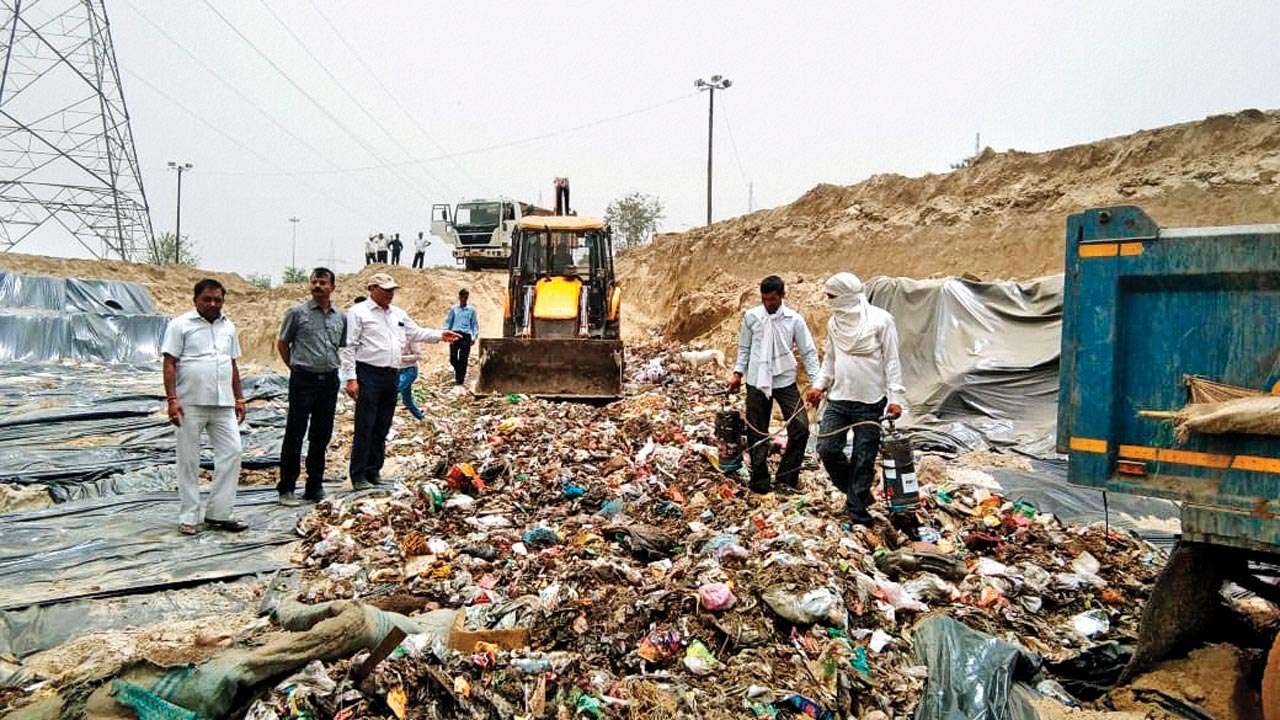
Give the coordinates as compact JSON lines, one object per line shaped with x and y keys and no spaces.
{"x":861,"y":380}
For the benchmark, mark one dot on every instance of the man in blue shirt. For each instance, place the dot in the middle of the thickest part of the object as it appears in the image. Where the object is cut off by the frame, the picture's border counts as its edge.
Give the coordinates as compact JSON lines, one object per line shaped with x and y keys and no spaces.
{"x":462,"y":319}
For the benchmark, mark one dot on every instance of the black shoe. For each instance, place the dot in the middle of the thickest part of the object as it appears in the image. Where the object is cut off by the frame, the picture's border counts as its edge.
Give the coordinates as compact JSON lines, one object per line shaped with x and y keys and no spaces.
{"x":359,"y":485}
{"x":288,"y":499}
{"x":226,"y":525}
{"x":374,"y":480}
{"x":759,"y":488}
{"x":313,"y":497}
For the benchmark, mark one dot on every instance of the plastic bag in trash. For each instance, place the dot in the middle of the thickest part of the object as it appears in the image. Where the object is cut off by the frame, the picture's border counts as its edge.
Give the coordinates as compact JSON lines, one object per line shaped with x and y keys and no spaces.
{"x":818,"y":605}
{"x":971,"y":675}
{"x":1091,"y":622}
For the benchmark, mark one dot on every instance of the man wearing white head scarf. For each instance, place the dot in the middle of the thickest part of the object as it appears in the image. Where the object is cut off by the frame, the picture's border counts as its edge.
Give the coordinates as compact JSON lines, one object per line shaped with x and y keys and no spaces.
{"x":768,"y":363}
{"x":862,"y":381}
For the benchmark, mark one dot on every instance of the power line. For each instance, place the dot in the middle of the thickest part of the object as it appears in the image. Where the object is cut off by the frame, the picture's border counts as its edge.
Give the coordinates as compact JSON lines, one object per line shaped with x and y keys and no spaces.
{"x":235,"y":90}
{"x":355,"y":52}
{"x":236,"y":141}
{"x":280,"y":71}
{"x":449,"y":190}
{"x":478,"y":150}
{"x":733,"y":143}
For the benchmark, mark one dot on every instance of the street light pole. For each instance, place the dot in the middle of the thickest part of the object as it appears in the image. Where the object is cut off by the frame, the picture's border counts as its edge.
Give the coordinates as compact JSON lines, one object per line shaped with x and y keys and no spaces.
{"x":293,"y":256}
{"x":715,"y":83}
{"x":177,"y":230}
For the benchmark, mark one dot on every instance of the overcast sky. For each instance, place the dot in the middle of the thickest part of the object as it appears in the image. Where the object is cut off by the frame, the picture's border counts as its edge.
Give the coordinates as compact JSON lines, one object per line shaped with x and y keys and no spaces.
{"x":822,"y":92}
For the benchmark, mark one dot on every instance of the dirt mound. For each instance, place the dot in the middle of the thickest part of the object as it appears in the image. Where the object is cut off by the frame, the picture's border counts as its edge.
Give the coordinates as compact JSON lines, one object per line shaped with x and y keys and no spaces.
{"x":1001,"y":217}
{"x":1216,"y":679}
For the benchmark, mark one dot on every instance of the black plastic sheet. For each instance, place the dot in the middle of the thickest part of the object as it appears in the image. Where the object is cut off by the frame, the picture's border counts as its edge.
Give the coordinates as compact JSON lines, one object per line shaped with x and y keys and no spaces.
{"x":979,"y":359}
{"x":68,"y":425}
{"x":972,"y":676}
{"x":130,"y":544}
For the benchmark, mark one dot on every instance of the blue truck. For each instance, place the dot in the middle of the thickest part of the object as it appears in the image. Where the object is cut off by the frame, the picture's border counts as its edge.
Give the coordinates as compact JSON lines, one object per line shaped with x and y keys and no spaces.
{"x":1149,"y":312}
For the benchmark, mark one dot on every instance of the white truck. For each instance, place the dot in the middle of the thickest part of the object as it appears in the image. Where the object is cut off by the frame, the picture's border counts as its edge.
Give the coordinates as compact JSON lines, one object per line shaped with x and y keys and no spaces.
{"x":480,"y":230}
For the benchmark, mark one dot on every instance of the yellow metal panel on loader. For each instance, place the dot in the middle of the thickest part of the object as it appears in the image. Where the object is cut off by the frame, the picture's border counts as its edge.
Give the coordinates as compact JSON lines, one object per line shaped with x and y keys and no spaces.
{"x":556,"y":299}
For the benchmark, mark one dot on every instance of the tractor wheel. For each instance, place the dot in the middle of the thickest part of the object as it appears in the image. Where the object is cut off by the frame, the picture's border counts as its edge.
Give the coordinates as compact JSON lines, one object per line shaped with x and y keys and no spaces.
{"x":1271,"y":683}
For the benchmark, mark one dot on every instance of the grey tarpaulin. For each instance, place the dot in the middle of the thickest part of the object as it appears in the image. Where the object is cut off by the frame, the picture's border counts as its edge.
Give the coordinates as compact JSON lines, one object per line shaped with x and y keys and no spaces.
{"x":130,"y":544}
{"x":972,"y":676}
{"x":45,"y":319}
{"x":74,"y":294}
{"x":979,"y":359}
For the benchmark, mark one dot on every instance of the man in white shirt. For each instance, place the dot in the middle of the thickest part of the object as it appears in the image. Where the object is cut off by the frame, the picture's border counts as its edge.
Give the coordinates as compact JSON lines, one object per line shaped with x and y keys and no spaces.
{"x":370,"y":250}
{"x":766,"y":360}
{"x":202,"y":385}
{"x":862,"y":381}
{"x":420,"y":250}
{"x":381,"y":244}
{"x":377,"y":332}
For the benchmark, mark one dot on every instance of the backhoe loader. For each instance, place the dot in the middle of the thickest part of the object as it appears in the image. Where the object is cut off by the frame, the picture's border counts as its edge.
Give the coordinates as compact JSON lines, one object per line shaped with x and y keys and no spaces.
{"x":561,"y":330}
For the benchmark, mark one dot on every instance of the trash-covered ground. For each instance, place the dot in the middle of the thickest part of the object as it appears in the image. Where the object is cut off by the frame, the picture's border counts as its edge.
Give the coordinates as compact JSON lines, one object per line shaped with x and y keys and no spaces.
{"x":562,"y":560}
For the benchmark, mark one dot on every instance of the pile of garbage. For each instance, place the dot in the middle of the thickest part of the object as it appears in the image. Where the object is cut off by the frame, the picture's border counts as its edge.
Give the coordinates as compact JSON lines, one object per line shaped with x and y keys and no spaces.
{"x":537,"y":559}
{"x":602,"y":563}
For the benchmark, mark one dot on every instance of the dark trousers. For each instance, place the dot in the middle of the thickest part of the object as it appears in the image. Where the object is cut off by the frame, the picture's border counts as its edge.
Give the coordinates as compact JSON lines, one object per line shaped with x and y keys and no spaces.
{"x":369,"y":258}
{"x":375,"y":406}
{"x":853,"y":474}
{"x":382,"y":256}
{"x":759,"y":409}
{"x":459,"y":351}
{"x":417,"y":259}
{"x":395,"y":256}
{"x":312,"y":398}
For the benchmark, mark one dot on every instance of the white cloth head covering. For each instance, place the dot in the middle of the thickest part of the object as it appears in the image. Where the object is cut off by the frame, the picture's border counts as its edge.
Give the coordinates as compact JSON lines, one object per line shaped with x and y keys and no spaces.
{"x":775,"y":355}
{"x":848,"y":326}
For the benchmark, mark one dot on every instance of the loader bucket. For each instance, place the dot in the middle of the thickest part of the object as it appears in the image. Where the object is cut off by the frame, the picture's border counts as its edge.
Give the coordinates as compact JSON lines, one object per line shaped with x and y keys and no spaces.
{"x":563,"y":368}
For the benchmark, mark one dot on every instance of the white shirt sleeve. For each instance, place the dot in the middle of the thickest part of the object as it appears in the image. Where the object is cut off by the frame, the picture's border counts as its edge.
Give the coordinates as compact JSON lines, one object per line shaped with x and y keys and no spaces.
{"x":808,"y":351}
{"x":892,"y":366}
{"x":828,"y":371}
{"x":173,"y":338}
{"x":347,"y":353}
{"x":744,"y":346}
{"x":414,"y":333}
{"x":235,"y":341}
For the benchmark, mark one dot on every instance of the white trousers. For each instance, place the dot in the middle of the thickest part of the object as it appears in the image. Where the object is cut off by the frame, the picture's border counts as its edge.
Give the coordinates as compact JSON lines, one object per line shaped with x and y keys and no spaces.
{"x":224,"y":437}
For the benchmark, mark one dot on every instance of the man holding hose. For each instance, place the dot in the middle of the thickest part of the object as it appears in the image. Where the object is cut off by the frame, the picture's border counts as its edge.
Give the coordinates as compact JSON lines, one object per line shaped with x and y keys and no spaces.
{"x":768,"y":363}
{"x":861,"y":379}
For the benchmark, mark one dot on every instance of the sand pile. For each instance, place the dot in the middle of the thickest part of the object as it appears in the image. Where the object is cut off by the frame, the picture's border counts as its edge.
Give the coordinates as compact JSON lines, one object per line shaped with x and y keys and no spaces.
{"x":1002,"y":217}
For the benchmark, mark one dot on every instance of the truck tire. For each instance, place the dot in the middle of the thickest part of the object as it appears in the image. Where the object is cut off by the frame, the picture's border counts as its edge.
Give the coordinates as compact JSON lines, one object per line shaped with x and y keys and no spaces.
{"x":1271,"y":683}
{"x":469,"y":265}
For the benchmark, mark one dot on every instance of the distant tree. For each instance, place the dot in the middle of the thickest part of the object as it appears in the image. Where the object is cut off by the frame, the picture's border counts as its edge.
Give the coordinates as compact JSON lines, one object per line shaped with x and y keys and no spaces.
{"x":162,"y":252}
{"x":258,"y":280}
{"x":634,"y":218}
{"x":295,"y":275}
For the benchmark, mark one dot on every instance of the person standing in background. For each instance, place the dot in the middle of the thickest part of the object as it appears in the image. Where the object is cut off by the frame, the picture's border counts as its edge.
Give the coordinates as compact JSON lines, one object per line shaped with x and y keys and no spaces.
{"x":409,"y":358}
{"x":376,"y":335}
{"x":308,"y":344}
{"x":396,"y":247}
{"x":202,"y":385}
{"x":420,"y":250}
{"x":381,"y":246}
{"x":370,"y":250}
{"x":462,"y":319}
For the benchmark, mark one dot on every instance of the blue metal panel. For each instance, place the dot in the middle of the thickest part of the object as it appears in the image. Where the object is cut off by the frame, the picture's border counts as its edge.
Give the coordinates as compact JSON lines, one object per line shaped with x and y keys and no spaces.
{"x":1143,"y":308}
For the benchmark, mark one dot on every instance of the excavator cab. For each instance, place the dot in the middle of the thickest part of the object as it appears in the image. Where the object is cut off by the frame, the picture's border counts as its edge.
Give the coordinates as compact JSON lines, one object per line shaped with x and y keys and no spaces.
{"x":561,"y":335}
